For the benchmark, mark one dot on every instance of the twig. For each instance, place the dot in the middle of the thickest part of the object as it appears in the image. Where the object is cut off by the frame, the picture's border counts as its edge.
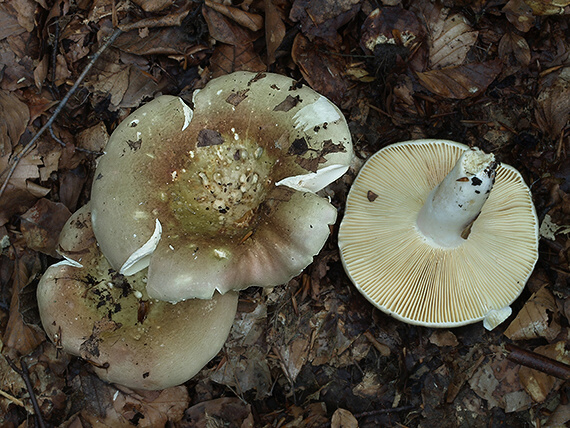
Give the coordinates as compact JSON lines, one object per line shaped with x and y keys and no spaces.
{"x":25,"y":374}
{"x":13,"y":399}
{"x":538,"y":362}
{"x":16,"y":159}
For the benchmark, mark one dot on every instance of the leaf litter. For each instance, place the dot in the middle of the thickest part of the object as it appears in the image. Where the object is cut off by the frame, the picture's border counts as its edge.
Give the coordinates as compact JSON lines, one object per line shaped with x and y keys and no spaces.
{"x":313,"y":352}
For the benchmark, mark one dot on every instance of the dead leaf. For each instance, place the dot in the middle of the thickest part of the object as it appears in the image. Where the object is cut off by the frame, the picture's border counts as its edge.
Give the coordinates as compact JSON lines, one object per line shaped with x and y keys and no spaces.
{"x":227,"y":59}
{"x":249,"y":20}
{"x":42,"y":224}
{"x":461,"y":82}
{"x":226,"y":412}
{"x":9,"y":23}
{"x":553,"y":110}
{"x":538,"y":318}
{"x":538,"y":384}
{"x":153,"y":5}
{"x":21,"y":338}
{"x":443,"y":338}
{"x":513,"y":48}
{"x":520,"y":15}
{"x":227,"y":31}
{"x":342,"y":418}
{"x":152,"y":408}
{"x":547,"y":7}
{"x":450,"y":40}
{"x":323,"y":70}
{"x":322,"y":18}
{"x":274,"y":30}
{"x":14,"y":117}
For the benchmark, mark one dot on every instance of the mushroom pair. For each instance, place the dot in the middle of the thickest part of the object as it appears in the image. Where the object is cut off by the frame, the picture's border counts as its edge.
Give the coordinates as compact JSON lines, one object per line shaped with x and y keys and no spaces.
{"x":426,"y":240}
{"x":196,"y":202}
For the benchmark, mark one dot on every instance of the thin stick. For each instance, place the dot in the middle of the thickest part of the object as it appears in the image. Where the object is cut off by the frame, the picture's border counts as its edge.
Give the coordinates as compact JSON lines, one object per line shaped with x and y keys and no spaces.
{"x":25,"y":374}
{"x":16,"y":159}
{"x":538,"y":362}
{"x":13,"y":399}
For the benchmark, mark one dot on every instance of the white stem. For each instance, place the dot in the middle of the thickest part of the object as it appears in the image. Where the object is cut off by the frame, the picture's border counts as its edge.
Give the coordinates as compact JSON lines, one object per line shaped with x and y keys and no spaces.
{"x":457,"y":201}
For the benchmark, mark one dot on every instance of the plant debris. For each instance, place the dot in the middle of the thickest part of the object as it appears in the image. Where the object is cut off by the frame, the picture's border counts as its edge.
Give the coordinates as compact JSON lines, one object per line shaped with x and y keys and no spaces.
{"x":312,"y":352}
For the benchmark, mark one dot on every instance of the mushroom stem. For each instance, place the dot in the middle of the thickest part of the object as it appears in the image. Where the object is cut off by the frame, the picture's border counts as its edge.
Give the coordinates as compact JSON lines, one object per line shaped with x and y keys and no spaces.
{"x":452,"y":206}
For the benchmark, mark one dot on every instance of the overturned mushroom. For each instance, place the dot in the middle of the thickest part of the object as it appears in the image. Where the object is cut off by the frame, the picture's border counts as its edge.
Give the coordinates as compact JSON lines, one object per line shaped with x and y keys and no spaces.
{"x":92,"y":311}
{"x":426,"y":240}
{"x":220,"y":195}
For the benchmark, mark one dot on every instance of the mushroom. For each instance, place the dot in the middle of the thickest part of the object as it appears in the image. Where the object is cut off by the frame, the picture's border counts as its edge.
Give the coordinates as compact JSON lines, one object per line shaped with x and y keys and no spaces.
{"x":221,"y":195}
{"x":417,"y":241}
{"x":90,"y":310}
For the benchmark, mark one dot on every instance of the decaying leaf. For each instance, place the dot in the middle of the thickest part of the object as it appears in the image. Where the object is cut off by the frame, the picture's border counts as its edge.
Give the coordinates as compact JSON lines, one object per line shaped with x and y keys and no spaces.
{"x":519,"y":13}
{"x":342,"y":418}
{"x":553,"y":110}
{"x":462,"y":81}
{"x":538,"y":384}
{"x":322,"y":18}
{"x":274,"y":30}
{"x":221,"y":412}
{"x":450,"y":39}
{"x":249,"y":20}
{"x":538,"y":318}
{"x":547,"y":7}
{"x":42,"y":224}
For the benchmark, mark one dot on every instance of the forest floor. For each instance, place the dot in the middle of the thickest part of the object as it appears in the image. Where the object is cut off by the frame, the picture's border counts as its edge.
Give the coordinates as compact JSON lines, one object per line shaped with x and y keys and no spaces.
{"x":313,"y":352}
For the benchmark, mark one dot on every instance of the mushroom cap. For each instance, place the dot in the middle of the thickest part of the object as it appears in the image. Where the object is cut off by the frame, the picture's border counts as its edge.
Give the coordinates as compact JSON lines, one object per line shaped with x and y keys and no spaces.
{"x":108,"y":319}
{"x":397,"y":269}
{"x":221,"y":196}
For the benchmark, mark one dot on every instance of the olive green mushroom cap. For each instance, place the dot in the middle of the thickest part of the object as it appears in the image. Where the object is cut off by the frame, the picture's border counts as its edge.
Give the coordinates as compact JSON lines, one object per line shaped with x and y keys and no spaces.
{"x":409,"y":276}
{"x":92,"y":311}
{"x":221,"y":195}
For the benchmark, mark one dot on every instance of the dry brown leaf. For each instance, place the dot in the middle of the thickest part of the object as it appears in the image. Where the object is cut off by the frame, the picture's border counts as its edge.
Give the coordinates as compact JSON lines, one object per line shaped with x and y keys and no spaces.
{"x":14,"y":117}
{"x":153,"y":5}
{"x":553,"y":111}
{"x":443,"y":338}
{"x":221,"y":412}
{"x":322,"y":18}
{"x":94,"y":138}
{"x":514,"y":50}
{"x":152,"y":408}
{"x":9,"y":24}
{"x":538,"y":318}
{"x":249,"y":20}
{"x":19,"y":337}
{"x":538,"y":384}
{"x":227,"y":31}
{"x":461,"y":82}
{"x":450,"y":40}
{"x":547,"y":7}
{"x":274,"y":30}
{"x":42,"y":224}
{"x":520,"y":15}
{"x":342,"y":418}
{"x":227,"y":59}
{"x":323,"y":71}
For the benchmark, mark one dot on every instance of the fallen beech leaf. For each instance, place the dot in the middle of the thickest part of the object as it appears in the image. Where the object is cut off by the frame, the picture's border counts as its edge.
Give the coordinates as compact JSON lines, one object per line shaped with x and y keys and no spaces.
{"x":553,"y":110}
{"x":322,"y":70}
{"x":274,"y":30}
{"x":153,"y":5}
{"x":461,"y":82}
{"x":227,"y":59}
{"x":538,"y":318}
{"x":249,"y":20}
{"x":225,"y":30}
{"x":342,"y":418}
{"x":516,"y":45}
{"x":549,"y":7}
{"x":450,"y":40}
{"x":538,"y":384}
{"x":443,"y":338}
{"x":520,"y":15}
{"x":322,"y":18}
{"x":42,"y":224}
{"x":14,"y":117}
{"x":221,"y":412}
